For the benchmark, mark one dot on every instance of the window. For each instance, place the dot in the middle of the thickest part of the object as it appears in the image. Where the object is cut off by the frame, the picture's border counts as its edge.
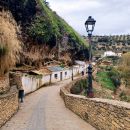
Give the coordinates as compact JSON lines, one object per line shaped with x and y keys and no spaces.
{"x":65,"y":73}
{"x":56,"y":76}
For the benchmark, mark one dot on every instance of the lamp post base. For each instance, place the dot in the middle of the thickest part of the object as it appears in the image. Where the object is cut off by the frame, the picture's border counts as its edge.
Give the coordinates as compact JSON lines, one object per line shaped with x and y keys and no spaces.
{"x":90,"y":94}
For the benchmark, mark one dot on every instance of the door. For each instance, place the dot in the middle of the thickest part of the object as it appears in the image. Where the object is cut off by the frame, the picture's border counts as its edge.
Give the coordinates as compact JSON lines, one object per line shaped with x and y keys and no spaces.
{"x":61,"y":76}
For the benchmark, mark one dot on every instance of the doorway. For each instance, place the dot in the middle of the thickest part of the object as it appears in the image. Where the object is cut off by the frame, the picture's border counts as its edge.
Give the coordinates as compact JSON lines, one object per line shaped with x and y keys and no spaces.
{"x":60,"y":76}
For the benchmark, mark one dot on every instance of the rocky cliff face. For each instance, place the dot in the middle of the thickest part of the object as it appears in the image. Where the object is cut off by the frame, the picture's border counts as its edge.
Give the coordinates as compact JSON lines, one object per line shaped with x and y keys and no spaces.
{"x":45,"y":34}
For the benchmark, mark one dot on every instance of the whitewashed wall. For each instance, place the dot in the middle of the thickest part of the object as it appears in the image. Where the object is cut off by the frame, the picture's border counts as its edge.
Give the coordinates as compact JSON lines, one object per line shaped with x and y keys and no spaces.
{"x":53,"y":79}
{"x":64,"y":76}
{"x":81,"y":68}
{"x":68,"y":75}
{"x":30,"y":83}
{"x":75,"y":71}
{"x":46,"y":79}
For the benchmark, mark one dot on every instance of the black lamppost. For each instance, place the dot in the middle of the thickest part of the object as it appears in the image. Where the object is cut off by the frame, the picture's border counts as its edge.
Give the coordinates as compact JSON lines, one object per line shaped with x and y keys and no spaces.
{"x":89,"y":24}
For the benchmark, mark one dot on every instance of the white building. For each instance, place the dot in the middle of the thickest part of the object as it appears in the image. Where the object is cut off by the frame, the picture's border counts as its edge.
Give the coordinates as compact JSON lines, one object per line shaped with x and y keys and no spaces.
{"x":67,"y":73}
{"x":46,"y":76}
{"x":58,"y":73}
{"x":35,"y":79}
{"x":109,"y":53}
{"x":30,"y":83}
{"x":75,"y":70}
{"x":82,"y":66}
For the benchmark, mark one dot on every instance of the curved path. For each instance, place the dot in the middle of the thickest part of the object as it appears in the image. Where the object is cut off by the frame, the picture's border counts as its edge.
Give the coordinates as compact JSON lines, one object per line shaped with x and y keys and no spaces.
{"x":45,"y":110}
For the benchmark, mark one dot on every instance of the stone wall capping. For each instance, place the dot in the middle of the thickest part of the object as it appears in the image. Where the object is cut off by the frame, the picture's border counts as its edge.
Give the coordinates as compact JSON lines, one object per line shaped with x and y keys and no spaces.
{"x":98,"y":100}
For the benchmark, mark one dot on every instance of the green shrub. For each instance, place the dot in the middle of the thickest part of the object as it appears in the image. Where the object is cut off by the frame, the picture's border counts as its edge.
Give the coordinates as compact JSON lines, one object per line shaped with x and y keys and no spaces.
{"x":116,"y":81}
{"x":115,"y":77}
{"x":114,"y":72}
{"x":49,"y":26}
{"x":79,"y":86}
{"x":42,"y":29}
{"x":76,"y":89}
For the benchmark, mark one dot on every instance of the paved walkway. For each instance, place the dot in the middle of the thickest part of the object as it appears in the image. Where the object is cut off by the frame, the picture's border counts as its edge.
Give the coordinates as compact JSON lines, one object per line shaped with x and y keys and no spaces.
{"x":45,"y":110}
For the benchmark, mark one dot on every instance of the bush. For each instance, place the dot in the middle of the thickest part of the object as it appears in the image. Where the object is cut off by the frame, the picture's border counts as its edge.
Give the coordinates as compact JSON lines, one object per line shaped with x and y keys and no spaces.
{"x":115,"y":77}
{"x":116,"y":81}
{"x":76,"y":89}
{"x":79,"y":86}
{"x":114,"y":72}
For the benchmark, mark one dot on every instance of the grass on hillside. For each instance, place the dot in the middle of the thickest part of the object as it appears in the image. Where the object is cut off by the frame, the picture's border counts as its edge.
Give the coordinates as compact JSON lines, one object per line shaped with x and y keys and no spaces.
{"x":59,"y":25}
{"x":105,"y":81}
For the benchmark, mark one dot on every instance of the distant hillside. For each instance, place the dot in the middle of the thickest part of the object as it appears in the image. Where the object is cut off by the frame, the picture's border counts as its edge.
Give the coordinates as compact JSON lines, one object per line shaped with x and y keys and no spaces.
{"x":116,"y":43}
{"x":45,"y":34}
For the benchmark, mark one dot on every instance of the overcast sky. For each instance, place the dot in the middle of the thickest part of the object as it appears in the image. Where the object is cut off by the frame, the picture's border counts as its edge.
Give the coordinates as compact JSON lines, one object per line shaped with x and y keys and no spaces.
{"x":112,"y":16}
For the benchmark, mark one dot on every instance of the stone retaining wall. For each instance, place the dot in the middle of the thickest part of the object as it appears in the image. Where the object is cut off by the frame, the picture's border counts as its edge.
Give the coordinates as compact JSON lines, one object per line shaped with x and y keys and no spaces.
{"x":4,"y":84}
{"x":103,"y":114}
{"x":8,"y":105}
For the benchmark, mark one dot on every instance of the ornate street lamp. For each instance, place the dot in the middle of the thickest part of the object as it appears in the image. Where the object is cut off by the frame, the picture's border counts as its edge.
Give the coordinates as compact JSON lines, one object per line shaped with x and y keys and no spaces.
{"x":90,"y":24}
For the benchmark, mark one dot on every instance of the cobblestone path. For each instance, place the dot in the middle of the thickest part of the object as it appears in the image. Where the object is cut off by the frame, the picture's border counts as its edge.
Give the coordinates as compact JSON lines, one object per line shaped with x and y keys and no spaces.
{"x":45,"y":110}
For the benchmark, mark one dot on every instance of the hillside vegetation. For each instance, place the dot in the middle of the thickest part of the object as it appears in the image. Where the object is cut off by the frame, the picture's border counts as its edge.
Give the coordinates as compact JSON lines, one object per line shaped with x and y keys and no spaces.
{"x":116,"y":43}
{"x":43,"y":28}
{"x":50,"y":25}
{"x":10,"y":44}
